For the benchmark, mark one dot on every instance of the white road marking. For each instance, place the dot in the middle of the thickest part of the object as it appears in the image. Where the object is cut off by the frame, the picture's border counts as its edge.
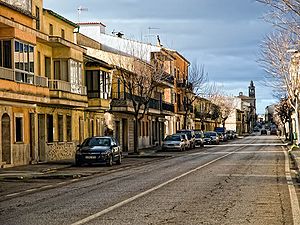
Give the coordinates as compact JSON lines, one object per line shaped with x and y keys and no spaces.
{"x":292,"y":191}
{"x":252,"y":144}
{"x":111,"y":208}
{"x":13,"y":194}
{"x":241,"y":152}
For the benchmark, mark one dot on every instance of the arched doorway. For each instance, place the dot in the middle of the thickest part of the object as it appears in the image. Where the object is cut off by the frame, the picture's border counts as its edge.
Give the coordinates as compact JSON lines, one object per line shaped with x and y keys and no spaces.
{"x":6,"y":139}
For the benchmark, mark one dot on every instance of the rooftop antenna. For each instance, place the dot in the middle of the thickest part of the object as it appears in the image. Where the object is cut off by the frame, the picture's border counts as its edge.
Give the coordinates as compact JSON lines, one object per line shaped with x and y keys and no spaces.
{"x":149,"y":32}
{"x":79,"y":10}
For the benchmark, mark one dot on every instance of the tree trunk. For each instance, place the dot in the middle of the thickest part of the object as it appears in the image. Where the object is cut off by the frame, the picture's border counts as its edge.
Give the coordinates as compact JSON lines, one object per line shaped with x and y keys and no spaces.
{"x":185,"y":119}
{"x":135,"y":132}
{"x":297,"y":121}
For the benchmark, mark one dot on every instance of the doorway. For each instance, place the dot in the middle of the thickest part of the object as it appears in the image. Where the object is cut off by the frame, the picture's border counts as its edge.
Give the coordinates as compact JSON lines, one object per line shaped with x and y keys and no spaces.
{"x":125,"y":135}
{"x":41,"y":138}
{"x":6,"y":139}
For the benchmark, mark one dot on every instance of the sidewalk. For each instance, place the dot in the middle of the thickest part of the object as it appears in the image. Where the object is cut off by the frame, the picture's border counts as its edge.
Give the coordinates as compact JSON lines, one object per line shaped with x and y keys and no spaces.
{"x":294,"y":156}
{"x":51,"y":169}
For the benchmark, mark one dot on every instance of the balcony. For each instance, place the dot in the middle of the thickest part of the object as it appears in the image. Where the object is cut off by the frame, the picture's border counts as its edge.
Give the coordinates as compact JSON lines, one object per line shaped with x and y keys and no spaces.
{"x":121,"y":99}
{"x":168,"y":81}
{"x":7,"y":74}
{"x":41,"y":81}
{"x":59,"y":85}
{"x":168,"y":107}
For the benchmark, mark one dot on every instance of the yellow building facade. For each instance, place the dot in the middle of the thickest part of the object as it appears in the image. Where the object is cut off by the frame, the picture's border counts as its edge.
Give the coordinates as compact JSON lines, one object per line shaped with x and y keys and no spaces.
{"x":42,"y":86}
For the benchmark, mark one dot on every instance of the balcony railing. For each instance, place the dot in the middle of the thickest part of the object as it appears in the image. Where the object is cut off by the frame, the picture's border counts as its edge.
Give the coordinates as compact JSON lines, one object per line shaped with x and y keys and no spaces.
{"x":153,"y":103}
{"x":41,"y":81}
{"x":7,"y":74}
{"x":60,"y":85}
{"x":167,"y":107}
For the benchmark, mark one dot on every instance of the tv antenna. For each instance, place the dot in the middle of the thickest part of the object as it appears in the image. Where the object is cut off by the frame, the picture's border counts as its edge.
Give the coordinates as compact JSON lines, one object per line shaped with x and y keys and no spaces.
{"x":80,"y":9}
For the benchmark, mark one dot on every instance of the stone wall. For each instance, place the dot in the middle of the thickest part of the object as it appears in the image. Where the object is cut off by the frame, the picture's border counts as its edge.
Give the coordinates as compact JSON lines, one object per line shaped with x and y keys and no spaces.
{"x":59,"y":151}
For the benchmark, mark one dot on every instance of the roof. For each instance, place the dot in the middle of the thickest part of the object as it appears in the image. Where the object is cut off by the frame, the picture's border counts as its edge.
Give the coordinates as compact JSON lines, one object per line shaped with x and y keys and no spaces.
{"x":175,"y":52}
{"x":91,"y":23}
{"x":89,"y":58}
{"x":60,"y":17}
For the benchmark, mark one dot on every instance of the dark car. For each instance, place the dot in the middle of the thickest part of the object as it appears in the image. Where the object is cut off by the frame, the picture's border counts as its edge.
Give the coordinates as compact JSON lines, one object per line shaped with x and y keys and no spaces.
{"x":199,"y":136}
{"x":98,"y":150}
{"x":273,"y":131}
{"x":263,"y":132}
{"x":256,"y":129}
{"x":214,"y":137}
{"x":191,"y":136}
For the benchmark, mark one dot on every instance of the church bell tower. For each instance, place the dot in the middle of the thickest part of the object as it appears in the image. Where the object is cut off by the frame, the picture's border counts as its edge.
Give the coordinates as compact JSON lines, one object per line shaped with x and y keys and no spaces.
{"x":251,"y":90}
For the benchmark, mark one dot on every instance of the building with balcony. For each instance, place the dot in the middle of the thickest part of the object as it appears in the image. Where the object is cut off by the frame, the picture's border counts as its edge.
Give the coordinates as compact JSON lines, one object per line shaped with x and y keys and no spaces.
{"x":42,"y":91}
{"x":203,"y":118}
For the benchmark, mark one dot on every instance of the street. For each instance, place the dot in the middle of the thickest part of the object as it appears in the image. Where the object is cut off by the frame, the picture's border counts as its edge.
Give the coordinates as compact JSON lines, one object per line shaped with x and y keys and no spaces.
{"x":239,"y":182}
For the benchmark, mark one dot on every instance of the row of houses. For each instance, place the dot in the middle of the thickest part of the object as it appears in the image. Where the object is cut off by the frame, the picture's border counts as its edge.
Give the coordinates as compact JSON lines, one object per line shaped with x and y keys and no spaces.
{"x":59,"y":83}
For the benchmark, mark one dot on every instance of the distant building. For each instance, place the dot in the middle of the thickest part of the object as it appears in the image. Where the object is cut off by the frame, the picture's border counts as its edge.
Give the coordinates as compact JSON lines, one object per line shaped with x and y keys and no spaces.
{"x":251,"y":99}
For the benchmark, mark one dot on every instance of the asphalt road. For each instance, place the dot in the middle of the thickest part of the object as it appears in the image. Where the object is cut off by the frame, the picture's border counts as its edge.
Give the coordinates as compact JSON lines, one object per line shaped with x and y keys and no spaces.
{"x":242,"y":182}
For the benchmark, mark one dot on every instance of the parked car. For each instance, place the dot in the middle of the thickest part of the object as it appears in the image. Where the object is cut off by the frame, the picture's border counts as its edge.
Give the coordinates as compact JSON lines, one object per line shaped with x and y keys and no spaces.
{"x":191,"y":136}
{"x":174,"y":142}
{"x":186,"y":140}
{"x":213,"y":136}
{"x":199,"y":138}
{"x":207,"y":139}
{"x":273,"y":131}
{"x":256,"y":129}
{"x":102,"y":149}
{"x":231,"y":134}
{"x":263,"y":132}
{"x":222,"y":136}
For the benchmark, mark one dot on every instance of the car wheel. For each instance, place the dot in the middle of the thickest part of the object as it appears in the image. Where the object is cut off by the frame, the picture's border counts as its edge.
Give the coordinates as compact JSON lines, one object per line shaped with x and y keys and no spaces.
{"x":109,"y":161}
{"x":77,"y":163}
{"x":119,"y":161}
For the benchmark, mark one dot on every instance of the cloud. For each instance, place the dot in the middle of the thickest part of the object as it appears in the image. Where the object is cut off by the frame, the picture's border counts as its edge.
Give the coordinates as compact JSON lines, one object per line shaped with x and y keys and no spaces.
{"x":224,"y":35}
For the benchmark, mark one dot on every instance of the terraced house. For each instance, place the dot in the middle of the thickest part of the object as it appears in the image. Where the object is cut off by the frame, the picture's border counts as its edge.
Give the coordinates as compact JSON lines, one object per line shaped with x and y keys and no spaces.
{"x":42,"y":96}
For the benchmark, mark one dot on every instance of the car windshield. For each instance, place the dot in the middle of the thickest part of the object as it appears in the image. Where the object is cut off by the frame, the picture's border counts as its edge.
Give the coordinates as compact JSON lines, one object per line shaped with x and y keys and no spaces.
{"x":188,"y":134}
{"x":198,"y":135}
{"x":207,"y":135}
{"x":173,"y":138}
{"x":96,"y":142}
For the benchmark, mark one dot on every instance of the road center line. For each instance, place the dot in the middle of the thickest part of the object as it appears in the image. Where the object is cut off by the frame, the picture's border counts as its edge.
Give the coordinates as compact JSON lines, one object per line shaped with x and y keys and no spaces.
{"x":111,"y":208}
{"x":292,"y":191}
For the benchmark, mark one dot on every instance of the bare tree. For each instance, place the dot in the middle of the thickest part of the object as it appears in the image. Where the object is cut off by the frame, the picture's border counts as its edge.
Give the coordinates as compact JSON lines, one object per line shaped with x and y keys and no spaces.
{"x":276,"y":57}
{"x":224,"y":102}
{"x":196,"y":87}
{"x":283,"y":115}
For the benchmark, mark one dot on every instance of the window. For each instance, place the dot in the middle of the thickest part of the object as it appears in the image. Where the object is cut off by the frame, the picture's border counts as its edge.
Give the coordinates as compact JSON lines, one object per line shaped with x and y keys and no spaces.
{"x":63,"y":33}
{"x":50,"y":29}
{"x":69,"y":128}
{"x":61,"y":70}
{"x":91,"y":128}
{"x":60,"y":129}
{"x":47,"y":67}
{"x":24,"y":62}
{"x":39,"y":62}
{"x":6,"y":54}
{"x":49,"y":128}
{"x":19,"y":129}
{"x":37,"y":17}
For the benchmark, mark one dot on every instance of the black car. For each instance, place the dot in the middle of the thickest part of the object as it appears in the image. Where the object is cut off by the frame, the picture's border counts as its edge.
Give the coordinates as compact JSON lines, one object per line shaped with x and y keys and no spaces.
{"x":98,"y":150}
{"x":263,"y":132}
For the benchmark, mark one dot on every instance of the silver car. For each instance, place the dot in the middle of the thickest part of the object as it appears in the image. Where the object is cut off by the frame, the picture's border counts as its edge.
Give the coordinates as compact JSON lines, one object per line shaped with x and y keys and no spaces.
{"x":174,"y":142}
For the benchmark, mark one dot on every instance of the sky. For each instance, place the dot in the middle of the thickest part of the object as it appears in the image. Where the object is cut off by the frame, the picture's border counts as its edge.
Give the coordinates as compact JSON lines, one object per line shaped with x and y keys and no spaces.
{"x":222,"y":35}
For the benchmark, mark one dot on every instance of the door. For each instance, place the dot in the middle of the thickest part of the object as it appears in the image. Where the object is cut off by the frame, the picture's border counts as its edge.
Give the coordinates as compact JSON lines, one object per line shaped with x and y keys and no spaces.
{"x":41,"y":138}
{"x":6,"y":139}
{"x":125,"y":135}
{"x":32,"y":136}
